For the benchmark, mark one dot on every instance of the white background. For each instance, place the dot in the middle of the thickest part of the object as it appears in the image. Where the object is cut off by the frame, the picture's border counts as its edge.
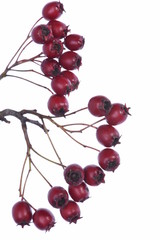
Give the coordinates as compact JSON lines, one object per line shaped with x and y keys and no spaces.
{"x":121,"y":60}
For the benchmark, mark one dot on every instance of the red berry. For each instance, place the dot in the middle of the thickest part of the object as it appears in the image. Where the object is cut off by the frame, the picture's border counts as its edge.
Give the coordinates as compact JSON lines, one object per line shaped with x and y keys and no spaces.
{"x":43,"y":219}
{"x":50,"y":67}
{"x":42,"y":34}
{"x":53,"y":49}
{"x":52,"y":10}
{"x":74,"y":174}
{"x":79,"y":193}
{"x":70,"y":60}
{"x":21,"y":213}
{"x":70,"y":212}
{"x":107,"y":135}
{"x":74,"y":42}
{"x":58,"y":105}
{"x":108,"y":159}
{"x":99,"y":105}
{"x":59,"y":29}
{"x":94,"y":175}
{"x":61,"y":85}
{"x":72,"y":78}
{"x":117,"y":114}
{"x":57,"y":197}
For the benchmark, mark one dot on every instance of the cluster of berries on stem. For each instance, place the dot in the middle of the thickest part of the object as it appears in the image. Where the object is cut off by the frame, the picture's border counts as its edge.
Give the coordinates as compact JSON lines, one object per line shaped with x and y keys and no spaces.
{"x":57,"y":62}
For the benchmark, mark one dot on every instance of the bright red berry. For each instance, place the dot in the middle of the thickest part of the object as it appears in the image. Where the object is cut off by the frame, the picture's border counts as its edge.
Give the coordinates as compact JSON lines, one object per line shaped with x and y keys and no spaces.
{"x":42,"y":34}
{"x":94,"y":175}
{"x":79,"y":193}
{"x":117,"y":114}
{"x":70,"y":212}
{"x":74,"y":42}
{"x":21,"y":213}
{"x":99,"y":105}
{"x":50,"y":67}
{"x":61,"y":85}
{"x":72,"y":78}
{"x":108,"y":159}
{"x":74,"y":174}
{"x":58,"y":197}
{"x":58,"y":105}
{"x":53,"y":49}
{"x":52,"y":10}
{"x":43,"y":219}
{"x":59,"y":29}
{"x":107,"y":135}
{"x":70,"y":60}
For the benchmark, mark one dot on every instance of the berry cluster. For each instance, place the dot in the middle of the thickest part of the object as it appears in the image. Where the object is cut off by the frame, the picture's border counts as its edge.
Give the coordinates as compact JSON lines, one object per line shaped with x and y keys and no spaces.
{"x":55,"y":40}
{"x":107,"y":134}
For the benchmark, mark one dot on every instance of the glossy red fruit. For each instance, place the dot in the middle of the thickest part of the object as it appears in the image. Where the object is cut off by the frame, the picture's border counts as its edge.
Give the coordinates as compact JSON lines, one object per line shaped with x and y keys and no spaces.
{"x":43,"y":219}
{"x":59,"y":29}
{"x":61,"y":85}
{"x":71,"y":212}
{"x":117,"y":114}
{"x":99,"y":105}
{"x":42,"y":34}
{"x":58,"y":105}
{"x":74,"y":42}
{"x":50,"y":67}
{"x":107,"y":135}
{"x":52,"y":10}
{"x":72,"y":78}
{"x":53,"y":49}
{"x":108,"y":159}
{"x":94,"y":175}
{"x":79,"y":193}
{"x":58,"y":197}
{"x":74,"y":174}
{"x":21,"y":213}
{"x":70,"y":60}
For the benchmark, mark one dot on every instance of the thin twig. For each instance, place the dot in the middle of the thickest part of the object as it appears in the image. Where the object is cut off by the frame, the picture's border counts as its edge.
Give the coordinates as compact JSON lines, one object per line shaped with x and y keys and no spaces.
{"x":22,"y":172}
{"x":47,"y":159}
{"x":40,"y":173}
{"x":27,"y":80}
{"x":51,"y":142}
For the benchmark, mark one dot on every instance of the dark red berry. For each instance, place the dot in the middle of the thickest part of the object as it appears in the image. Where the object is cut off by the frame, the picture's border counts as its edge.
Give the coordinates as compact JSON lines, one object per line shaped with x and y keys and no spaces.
{"x":108,"y":159}
{"x":43,"y":219}
{"x":94,"y":175}
{"x":42,"y":34}
{"x":52,"y":10}
{"x":53,"y":49}
{"x":59,"y":29}
{"x":99,"y":105}
{"x":72,"y":78}
{"x":70,"y":60}
{"x":61,"y":85}
{"x":74,"y":174}
{"x":50,"y":67}
{"x":74,"y":42}
{"x":58,"y":105}
{"x":70,"y":212}
{"x":21,"y":213}
{"x":79,"y":193}
{"x":58,"y":197}
{"x":107,"y":135}
{"x":117,"y":114}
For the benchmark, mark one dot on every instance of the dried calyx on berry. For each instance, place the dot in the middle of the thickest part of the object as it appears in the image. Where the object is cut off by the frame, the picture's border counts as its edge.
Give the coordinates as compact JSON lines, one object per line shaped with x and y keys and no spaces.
{"x":99,"y":105}
{"x":74,"y":174}
{"x":71,"y":212}
{"x":94,"y":175}
{"x":21,"y":213}
{"x":58,"y":197}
